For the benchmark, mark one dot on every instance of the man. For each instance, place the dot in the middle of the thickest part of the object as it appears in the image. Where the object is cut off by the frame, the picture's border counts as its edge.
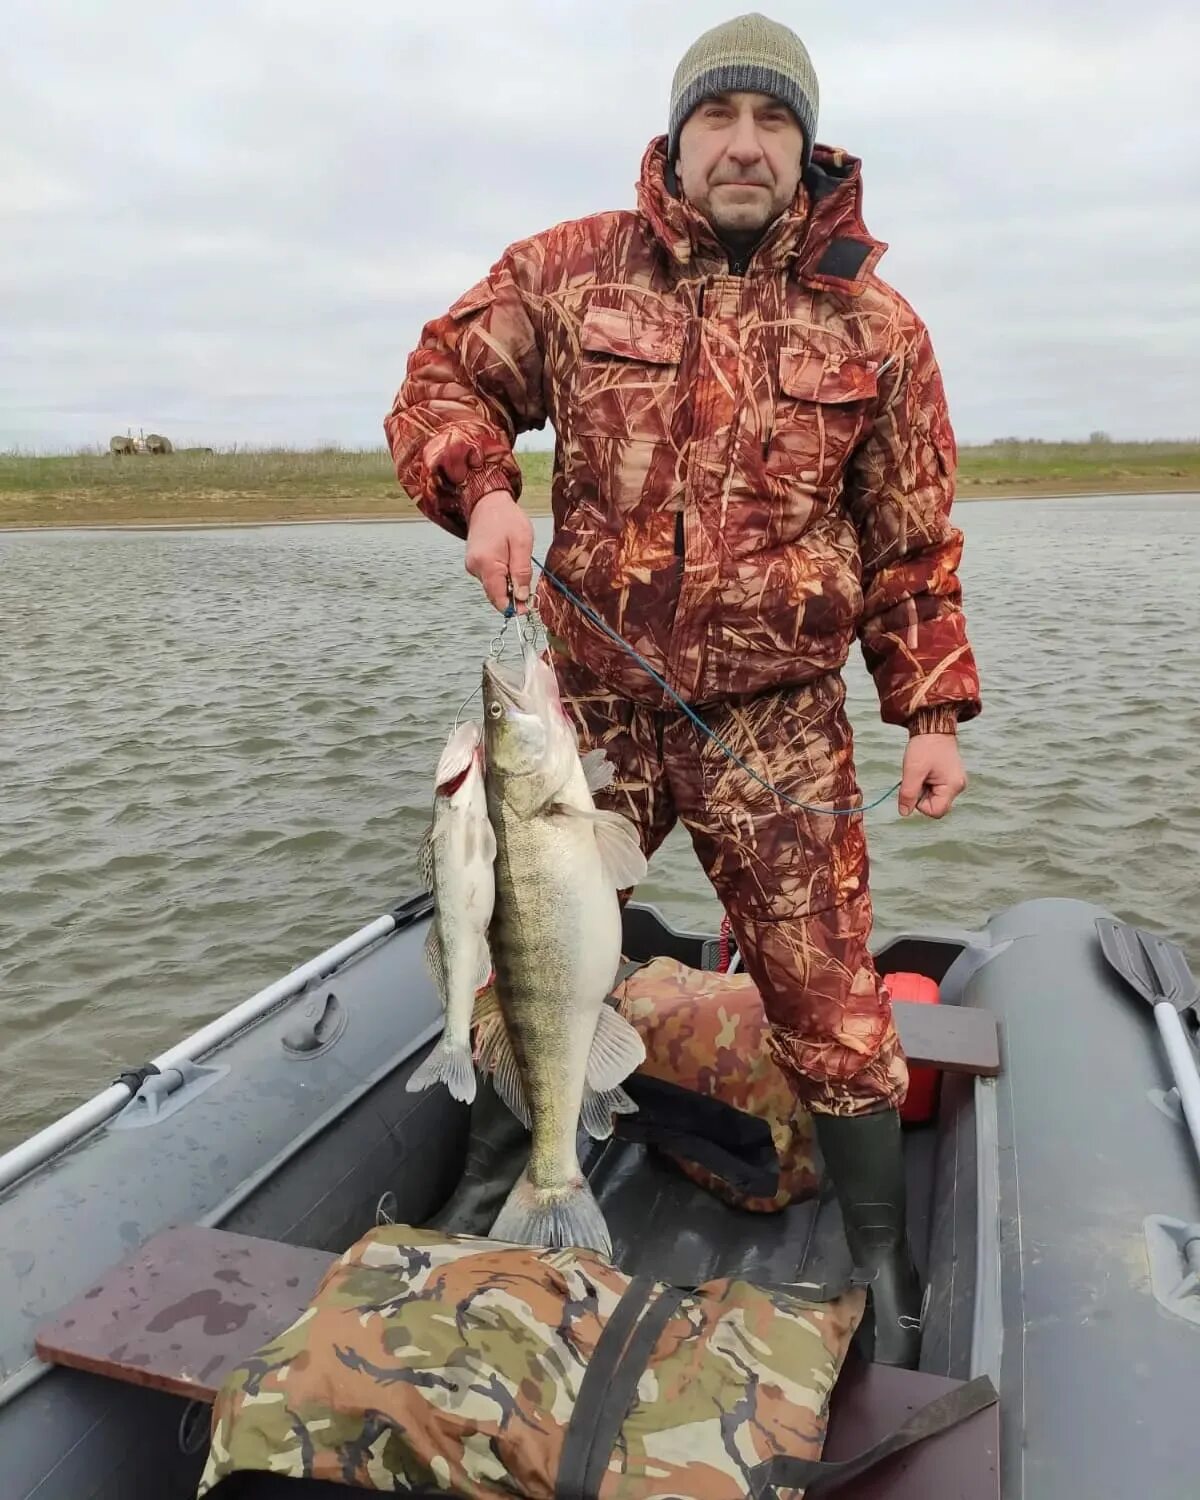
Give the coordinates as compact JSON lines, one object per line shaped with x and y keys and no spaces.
{"x":754,"y":465}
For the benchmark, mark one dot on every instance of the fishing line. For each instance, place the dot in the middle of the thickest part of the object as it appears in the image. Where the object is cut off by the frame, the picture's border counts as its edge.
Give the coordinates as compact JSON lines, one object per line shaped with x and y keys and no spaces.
{"x":832,"y":812}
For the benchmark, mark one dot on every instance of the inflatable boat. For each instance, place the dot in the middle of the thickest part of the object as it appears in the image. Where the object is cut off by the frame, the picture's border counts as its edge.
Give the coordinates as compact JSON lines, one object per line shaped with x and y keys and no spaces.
{"x":1054,"y":1198}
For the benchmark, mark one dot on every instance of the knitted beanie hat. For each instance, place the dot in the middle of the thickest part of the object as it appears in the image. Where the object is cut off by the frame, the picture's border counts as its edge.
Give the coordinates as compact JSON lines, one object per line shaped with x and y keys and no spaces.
{"x":751,"y":54}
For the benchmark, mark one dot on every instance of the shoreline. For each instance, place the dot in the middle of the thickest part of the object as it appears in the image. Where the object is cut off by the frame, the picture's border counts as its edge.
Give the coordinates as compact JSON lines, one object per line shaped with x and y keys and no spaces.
{"x":277,"y":516}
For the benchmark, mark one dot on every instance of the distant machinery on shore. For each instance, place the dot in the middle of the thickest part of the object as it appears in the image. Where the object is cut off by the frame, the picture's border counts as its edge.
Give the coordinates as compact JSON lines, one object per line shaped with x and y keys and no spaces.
{"x":146,"y":442}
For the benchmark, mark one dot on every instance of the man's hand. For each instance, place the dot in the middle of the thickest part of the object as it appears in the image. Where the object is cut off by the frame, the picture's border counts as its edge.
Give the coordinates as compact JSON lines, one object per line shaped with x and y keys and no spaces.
{"x":932,"y":775}
{"x":500,"y":547}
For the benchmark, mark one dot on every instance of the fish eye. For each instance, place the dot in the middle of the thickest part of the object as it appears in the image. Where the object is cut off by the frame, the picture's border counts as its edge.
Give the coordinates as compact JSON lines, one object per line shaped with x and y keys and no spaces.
{"x":494,"y":710}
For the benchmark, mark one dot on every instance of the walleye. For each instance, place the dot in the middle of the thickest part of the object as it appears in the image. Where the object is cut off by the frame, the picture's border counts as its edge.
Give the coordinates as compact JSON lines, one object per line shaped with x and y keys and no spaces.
{"x":456,"y":860}
{"x":557,"y":1052}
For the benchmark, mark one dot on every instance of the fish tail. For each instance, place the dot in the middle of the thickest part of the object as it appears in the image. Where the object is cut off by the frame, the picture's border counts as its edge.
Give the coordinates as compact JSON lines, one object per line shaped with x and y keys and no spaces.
{"x":448,"y":1064}
{"x":559,"y":1218}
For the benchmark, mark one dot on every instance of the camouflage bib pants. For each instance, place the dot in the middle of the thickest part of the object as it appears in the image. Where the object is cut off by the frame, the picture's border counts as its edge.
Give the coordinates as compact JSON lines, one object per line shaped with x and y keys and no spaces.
{"x":794,"y":883}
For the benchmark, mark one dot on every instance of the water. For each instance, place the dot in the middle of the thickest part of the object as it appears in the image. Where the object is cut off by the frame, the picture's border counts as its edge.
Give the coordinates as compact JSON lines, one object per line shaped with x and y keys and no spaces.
{"x":215,"y":752}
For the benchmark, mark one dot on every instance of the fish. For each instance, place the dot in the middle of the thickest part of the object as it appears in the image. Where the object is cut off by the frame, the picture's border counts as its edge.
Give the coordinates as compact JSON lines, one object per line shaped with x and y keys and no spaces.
{"x":457,"y":857}
{"x":557,"y":1052}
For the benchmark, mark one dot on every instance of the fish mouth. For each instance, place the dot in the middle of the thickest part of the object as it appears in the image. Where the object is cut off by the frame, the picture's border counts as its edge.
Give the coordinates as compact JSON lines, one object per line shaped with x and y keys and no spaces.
{"x":510,"y":684}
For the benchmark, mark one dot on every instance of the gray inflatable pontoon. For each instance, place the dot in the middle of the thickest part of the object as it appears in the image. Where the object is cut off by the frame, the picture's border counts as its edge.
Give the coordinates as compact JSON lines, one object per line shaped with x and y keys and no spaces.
{"x":1050,"y":1207}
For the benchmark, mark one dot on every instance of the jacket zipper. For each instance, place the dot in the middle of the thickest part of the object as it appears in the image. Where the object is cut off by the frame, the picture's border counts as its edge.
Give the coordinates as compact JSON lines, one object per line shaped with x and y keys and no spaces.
{"x":679,"y":523}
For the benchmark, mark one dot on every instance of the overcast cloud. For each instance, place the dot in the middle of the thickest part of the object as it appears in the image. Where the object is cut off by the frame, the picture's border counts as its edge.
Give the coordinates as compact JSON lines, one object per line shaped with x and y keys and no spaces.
{"x":228,"y":221}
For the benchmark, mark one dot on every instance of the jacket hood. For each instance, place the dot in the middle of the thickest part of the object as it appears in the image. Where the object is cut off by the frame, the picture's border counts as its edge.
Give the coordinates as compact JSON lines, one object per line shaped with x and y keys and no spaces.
{"x":821,"y":237}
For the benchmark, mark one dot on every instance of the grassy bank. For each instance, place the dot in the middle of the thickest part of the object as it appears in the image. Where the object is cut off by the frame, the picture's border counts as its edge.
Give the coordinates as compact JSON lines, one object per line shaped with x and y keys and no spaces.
{"x":268,"y":485}
{"x":1013,"y":468}
{"x":91,"y":489}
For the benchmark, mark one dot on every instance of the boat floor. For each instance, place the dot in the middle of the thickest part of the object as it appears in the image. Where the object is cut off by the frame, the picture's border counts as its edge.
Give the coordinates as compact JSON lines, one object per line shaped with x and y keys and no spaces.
{"x":664,"y":1224}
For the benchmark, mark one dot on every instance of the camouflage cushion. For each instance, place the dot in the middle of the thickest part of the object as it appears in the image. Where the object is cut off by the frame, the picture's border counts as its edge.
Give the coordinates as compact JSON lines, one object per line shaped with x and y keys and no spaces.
{"x":430,"y":1362}
{"x":708,"y":1032}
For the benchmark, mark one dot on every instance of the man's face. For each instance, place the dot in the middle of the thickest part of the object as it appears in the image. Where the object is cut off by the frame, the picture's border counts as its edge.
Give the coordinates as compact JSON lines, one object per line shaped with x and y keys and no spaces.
{"x":739,"y":160}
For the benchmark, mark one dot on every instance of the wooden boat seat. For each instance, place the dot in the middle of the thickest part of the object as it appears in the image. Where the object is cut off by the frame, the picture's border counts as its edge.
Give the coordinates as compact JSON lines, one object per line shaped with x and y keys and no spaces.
{"x":953,"y":1038}
{"x":184,"y":1310}
{"x":193,"y":1303}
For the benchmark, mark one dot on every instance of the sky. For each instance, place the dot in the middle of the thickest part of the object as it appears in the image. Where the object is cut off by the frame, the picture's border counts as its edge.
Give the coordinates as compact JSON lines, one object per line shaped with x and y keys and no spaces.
{"x":228,"y":222}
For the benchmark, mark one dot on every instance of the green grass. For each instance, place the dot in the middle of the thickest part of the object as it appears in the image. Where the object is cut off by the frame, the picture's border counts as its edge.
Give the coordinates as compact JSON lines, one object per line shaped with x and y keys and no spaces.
{"x":296,"y":484}
{"x":331,"y":473}
{"x":249,"y":485}
{"x":1073,"y":466}
{"x":328,"y":472}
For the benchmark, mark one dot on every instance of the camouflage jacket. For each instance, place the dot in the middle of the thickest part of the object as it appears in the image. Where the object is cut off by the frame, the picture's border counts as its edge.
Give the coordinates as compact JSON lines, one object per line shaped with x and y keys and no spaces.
{"x":754,"y":463}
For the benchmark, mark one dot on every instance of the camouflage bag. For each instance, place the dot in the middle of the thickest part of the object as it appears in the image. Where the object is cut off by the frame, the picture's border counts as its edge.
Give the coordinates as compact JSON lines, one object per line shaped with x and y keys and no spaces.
{"x":706,"y":1032}
{"x":457,"y":1365}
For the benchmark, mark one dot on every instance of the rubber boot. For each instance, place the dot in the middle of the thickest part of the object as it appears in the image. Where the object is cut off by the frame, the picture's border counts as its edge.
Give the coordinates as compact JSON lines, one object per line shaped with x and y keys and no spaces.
{"x":865,"y":1163}
{"x":497,"y":1150}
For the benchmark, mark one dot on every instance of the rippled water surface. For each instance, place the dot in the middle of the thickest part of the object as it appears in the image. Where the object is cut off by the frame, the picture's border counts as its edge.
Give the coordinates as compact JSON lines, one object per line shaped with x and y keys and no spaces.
{"x":216,"y":748}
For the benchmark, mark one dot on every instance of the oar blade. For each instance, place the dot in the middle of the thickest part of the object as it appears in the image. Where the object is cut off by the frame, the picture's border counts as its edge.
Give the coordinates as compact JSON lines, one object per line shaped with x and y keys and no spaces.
{"x":1153,"y":966}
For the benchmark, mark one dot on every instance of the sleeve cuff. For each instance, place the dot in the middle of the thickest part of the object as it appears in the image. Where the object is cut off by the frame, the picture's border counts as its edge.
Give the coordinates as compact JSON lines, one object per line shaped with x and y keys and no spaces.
{"x":940,"y":719}
{"x":481,"y":482}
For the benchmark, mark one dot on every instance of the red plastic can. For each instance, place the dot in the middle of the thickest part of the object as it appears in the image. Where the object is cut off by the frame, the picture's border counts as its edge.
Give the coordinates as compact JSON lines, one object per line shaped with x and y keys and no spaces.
{"x":921,"y":1103}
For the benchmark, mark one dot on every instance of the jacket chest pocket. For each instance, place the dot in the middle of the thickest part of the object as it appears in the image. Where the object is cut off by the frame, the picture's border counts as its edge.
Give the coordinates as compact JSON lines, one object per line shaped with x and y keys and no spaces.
{"x":822,"y":411}
{"x":627,"y":377}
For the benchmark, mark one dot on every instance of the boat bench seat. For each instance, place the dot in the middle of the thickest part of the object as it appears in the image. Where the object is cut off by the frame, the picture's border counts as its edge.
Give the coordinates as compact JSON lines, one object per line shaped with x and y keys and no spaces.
{"x":952,"y":1038}
{"x":184,"y":1310}
{"x":193,"y":1303}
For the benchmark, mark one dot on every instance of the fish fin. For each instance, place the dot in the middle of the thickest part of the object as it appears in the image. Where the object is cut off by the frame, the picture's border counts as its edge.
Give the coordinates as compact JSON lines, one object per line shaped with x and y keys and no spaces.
{"x":449,"y":1065}
{"x":425,"y":858}
{"x":621,"y":856}
{"x":598,"y":770}
{"x":496,"y":1055}
{"x":599,"y":1108}
{"x":620,"y":852}
{"x":487,"y":1008}
{"x":506,"y":1079}
{"x":457,"y":754}
{"x":435,"y":961}
{"x":488,"y":842}
{"x":617,"y":1050}
{"x":561,"y":1218}
{"x":484,"y":972}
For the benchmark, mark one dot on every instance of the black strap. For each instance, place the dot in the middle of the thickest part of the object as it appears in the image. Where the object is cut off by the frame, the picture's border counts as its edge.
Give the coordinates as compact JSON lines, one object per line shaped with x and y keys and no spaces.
{"x":747,"y":1178}
{"x":622,"y":1388}
{"x":606,"y":1356}
{"x":133,"y":1078}
{"x":736,"y":1146}
{"x":818,"y":1476}
{"x":816,"y":1291}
